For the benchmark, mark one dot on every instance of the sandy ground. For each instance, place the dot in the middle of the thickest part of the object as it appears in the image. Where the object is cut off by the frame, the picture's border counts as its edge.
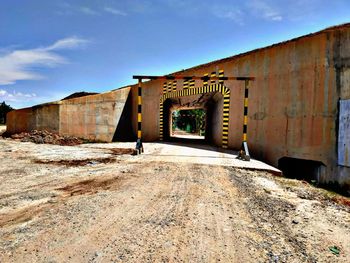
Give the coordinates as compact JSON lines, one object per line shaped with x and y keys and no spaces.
{"x":86,"y":204}
{"x":2,"y":129}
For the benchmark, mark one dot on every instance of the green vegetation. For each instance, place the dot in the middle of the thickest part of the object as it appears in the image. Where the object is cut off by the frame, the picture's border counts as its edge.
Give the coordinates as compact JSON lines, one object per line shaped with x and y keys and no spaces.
{"x":4,"y":109}
{"x":191,"y":121}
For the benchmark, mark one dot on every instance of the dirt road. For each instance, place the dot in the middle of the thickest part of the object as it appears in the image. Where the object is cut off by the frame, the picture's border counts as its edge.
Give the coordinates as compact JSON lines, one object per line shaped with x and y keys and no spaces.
{"x":86,"y":204}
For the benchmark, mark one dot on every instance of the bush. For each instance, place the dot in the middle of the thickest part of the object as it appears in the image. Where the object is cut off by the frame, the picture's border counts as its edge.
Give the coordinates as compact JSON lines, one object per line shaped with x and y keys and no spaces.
{"x":4,"y":109}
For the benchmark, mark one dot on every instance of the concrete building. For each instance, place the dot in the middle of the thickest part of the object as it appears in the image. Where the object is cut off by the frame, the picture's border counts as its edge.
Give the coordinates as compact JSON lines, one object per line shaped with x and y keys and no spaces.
{"x":299,"y":107}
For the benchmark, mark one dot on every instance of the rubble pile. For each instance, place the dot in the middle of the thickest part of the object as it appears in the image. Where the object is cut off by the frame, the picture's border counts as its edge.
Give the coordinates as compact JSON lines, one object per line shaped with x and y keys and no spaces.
{"x":46,"y":137}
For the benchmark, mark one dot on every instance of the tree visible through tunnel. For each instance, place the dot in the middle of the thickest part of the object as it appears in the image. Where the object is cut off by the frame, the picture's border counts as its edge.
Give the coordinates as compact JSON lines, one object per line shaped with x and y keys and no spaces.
{"x":190,"y":123}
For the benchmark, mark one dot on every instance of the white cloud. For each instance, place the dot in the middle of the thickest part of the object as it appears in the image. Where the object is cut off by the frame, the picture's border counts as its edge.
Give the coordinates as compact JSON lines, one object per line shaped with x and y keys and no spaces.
{"x":16,"y":96}
{"x":18,"y":64}
{"x":261,"y":8}
{"x":115,"y":11}
{"x":88,"y":11}
{"x":68,"y":43}
{"x":68,"y":9}
{"x":227,"y":13}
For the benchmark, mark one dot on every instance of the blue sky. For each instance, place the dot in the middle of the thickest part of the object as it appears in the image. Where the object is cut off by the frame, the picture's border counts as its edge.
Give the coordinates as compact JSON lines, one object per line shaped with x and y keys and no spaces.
{"x":50,"y":49}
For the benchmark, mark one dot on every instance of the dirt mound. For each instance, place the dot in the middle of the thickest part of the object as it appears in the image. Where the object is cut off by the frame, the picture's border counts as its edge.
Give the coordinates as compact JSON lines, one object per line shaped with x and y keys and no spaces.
{"x":78,"y":162}
{"x":46,"y":137}
{"x":121,"y":151}
{"x":79,"y":94}
{"x":91,"y":186}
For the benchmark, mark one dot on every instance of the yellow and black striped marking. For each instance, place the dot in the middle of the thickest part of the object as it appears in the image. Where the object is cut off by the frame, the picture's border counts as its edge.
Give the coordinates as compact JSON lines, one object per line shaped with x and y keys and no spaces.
{"x":185,"y":86}
{"x":200,"y":90}
{"x":161,"y":120}
{"x":139,"y":146}
{"x":169,"y":88}
{"x":139,"y":111}
{"x":225,"y":120}
{"x":213,"y":74}
{"x":221,"y":75}
{"x":165,"y":88}
{"x":192,"y":83}
{"x":245,"y":112}
{"x":174,"y":85}
{"x":205,"y":82}
{"x":244,"y":152}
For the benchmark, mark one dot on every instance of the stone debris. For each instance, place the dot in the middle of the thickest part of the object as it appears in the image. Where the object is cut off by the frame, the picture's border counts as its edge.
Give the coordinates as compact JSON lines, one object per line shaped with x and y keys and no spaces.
{"x":46,"y":137}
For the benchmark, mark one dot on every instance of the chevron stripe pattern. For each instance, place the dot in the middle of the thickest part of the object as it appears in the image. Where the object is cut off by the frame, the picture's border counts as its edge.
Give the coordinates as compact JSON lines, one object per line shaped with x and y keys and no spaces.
{"x":194,"y":91}
{"x":216,"y":87}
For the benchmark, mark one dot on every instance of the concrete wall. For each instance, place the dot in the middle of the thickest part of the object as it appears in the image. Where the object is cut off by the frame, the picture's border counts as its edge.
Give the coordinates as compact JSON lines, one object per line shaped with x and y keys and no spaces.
{"x":343,"y":84}
{"x":19,"y":120}
{"x":295,"y":87}
{"x":216,"y":119}
{"x":93,"y":117}
{"x":293,"y":103}
{"x":46,"y":117}
{"x":42,"y":117}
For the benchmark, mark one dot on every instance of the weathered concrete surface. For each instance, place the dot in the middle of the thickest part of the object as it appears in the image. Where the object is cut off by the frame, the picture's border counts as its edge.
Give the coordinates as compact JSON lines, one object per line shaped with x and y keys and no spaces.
{"x":19,"y":120}
{"x":44,"y":116}
{"x":293,"y":103}
{"x":93,"y":117}
{"x":344,"y":134}
{"x":301,"y":93}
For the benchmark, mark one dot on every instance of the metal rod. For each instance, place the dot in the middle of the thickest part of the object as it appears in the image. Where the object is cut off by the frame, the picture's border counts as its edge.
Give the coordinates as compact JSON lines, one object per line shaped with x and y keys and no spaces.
{"x":244,"y":152}
{"x":139,"y":110}
{"x":139,"y":146}
{"x":245,"y":111}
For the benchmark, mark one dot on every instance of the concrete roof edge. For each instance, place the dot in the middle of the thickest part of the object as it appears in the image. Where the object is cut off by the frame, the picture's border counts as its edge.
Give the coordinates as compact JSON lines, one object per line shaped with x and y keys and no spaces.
{"x":124,"y":87}
{"x":332,"y":28}
{"x":58,"y":102}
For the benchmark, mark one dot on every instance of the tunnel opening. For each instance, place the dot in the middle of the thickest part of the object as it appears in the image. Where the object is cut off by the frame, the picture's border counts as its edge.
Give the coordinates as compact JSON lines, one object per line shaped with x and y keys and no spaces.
{"x":188,"y":123}
{"x":207,"y":108}
{"x":301,"y":169}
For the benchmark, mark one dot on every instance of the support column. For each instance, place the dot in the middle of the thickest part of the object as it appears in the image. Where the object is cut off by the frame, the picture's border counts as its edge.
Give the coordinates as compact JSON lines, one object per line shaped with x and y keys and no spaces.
{"x":139,"y":146}
{"x":244,"y":152}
